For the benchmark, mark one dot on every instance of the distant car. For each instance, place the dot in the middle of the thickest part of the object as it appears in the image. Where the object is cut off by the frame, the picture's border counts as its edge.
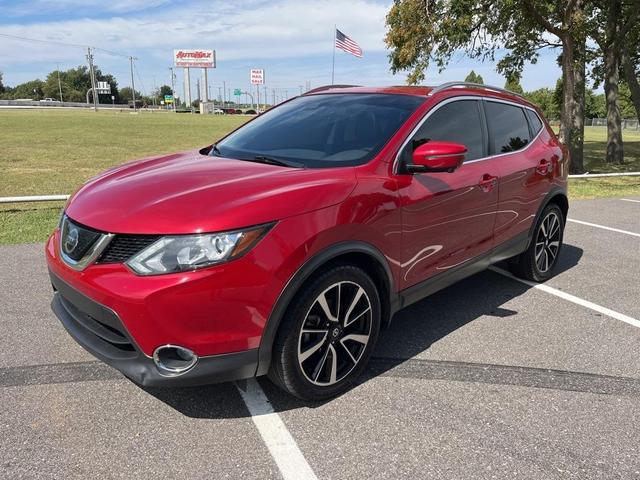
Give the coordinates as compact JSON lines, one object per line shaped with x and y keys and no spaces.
{"x":138,"y":103}
{"x":285,"y":247}
{"x":251,"y":111}
{"x":217,"y":111}
{"x":48,"y":99}
{"x":229,"y":111}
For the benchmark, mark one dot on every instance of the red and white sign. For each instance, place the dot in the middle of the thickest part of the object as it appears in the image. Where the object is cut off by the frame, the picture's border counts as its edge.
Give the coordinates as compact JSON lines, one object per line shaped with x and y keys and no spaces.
{"x":194,"y":58}
{"x":257,"y":76}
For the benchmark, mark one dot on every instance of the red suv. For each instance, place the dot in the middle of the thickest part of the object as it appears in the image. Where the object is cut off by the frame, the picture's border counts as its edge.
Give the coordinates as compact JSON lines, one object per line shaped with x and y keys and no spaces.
{"x":284,"y":248}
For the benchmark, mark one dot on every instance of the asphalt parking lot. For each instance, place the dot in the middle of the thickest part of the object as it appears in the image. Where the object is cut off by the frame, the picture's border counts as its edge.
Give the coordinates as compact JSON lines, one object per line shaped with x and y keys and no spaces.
{"x":490,"y":378}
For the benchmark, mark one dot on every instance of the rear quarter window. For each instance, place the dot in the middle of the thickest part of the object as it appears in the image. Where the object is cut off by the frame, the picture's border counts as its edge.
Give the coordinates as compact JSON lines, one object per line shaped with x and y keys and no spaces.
{"x":534,"y":121}
{"x":508,"y":127}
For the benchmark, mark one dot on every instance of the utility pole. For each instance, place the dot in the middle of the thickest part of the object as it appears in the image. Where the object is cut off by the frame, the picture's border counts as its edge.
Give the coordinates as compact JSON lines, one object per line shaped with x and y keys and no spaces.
{"x":300,"y":86}
{"x":133,"y":85}
{"x":266,"y":98}
{"x":273,"y":92}
{"x":59,"y":83}
{"x":93,"y":79}
{"x":173,"y":88}
{"x":224,"y":93}
{"x":155,"y":91}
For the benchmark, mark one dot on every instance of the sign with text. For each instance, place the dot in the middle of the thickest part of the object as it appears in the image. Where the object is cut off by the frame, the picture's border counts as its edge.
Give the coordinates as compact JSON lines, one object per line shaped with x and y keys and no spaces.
{"x":257,"y":76}
{"x":103,"y":88}
{"x":237,"y":92}
{"x":194,"y":58}
{"x":168,"y":99}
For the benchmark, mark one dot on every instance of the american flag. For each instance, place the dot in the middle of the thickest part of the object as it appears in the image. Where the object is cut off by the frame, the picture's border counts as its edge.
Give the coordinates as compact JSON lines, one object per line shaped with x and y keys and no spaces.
{"x":345,"y":43}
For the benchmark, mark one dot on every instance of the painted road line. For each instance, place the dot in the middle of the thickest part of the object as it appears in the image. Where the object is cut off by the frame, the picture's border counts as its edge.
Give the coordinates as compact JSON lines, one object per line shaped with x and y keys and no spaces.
{"x":571,"y":298}
{"x":629,"y":200}
{"x":603,"y":227}
{"x":274,"y":433}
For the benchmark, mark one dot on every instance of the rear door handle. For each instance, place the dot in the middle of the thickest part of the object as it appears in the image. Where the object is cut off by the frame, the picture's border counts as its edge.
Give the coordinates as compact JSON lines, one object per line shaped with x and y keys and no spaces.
{"x":488,"y":182}
{"x":544,"y":167}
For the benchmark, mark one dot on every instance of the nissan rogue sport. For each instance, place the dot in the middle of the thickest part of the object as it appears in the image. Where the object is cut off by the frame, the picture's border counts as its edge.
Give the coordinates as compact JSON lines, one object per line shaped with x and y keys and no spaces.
{"x":286,"y":246}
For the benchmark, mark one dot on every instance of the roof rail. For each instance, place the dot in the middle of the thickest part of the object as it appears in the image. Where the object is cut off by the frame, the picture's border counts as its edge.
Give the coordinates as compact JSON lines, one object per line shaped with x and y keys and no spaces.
{"x":447,"y":85}
{"x":328,"y":87}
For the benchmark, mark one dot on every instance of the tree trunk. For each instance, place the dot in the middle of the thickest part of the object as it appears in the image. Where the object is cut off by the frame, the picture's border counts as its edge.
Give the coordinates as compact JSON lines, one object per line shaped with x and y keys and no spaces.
{"x":611,"y":52}
{"x":632,"y":79}
{"x":576,"y":145}
{"x":572,"y":112}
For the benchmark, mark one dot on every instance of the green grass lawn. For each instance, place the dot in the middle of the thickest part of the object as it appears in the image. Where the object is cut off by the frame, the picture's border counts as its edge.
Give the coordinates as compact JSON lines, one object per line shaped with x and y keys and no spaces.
{"x":55,"y":151}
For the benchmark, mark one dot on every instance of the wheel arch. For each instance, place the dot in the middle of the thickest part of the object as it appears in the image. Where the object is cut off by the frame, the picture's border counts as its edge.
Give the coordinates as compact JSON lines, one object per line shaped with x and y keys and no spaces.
{"x":557,"y":196}
{"x":360,"y":254}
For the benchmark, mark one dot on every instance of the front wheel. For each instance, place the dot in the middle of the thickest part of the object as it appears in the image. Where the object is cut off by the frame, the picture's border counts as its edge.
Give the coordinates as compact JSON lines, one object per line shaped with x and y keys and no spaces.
{"x":327,"y":335}
{"x":538,"y":261}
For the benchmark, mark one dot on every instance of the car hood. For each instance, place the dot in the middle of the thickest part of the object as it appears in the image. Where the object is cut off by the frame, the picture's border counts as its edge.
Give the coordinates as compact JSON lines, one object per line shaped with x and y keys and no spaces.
{"x":189,"y":193}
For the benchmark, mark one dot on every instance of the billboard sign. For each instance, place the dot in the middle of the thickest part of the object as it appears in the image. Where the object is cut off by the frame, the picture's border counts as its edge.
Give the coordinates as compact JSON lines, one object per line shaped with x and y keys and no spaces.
{"x":257,"y":76}
{"x":194,"y":58}
{"x":237,"y":92}
{"x":168,"y":99}
{"x":103,"y":88}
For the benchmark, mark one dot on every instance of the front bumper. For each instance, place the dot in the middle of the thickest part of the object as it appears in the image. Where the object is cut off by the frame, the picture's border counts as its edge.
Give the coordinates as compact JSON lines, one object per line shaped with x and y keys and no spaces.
{"x":99,"y":330}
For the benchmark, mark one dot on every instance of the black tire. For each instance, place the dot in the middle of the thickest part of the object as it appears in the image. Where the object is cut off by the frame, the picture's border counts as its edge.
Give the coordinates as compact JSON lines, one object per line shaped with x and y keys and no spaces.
{"x":309,"y":378}
{"x":538,"y":261}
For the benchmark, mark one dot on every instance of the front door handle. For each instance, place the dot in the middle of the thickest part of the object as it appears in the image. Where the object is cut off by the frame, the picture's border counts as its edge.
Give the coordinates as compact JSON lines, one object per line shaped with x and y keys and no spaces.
{"x":488,"y":182}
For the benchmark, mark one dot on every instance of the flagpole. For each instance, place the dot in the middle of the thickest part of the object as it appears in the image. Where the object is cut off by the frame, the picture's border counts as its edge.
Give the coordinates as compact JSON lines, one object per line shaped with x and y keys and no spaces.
{"x":333,"y":64}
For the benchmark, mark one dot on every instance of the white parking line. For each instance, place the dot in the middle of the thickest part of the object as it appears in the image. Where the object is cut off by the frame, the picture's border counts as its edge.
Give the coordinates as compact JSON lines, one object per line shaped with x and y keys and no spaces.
{"x":571,"y":298}
{"x":630,"y":200}
{"x":603,"y":227}
{"x":274,"y":433}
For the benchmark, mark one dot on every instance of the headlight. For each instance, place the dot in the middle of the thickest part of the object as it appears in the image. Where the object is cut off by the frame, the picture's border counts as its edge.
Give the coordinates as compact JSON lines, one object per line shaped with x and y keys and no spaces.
{"x":189,"y":252}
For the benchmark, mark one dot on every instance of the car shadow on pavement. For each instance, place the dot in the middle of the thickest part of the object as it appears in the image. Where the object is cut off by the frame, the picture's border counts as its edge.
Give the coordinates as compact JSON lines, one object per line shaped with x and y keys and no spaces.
{"x":412,"y":331}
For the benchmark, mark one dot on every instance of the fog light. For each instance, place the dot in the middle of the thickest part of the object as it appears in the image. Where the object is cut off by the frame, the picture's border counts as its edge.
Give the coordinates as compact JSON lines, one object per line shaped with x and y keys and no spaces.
{"x":174,"y":360}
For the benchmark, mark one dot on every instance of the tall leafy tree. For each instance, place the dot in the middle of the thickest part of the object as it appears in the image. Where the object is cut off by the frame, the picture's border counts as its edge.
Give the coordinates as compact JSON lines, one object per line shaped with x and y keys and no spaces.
{"x":1,"y":85}
{"x":474,"y":77}
{"x":630,"y":59}
{"x":513,"y":83}
{"x":612,"y":21}
{"x":544,"y":98}
{"x":422,"y":32}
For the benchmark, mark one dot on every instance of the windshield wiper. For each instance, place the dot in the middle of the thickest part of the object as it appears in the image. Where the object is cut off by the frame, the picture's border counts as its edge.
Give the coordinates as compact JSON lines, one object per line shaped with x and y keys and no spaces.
{"x":275,"y":161}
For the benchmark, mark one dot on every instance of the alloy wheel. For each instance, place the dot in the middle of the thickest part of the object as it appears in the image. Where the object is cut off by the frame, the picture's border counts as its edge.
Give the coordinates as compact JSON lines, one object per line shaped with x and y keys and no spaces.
{"x":335,"y":333}
{"x":547,"y":242}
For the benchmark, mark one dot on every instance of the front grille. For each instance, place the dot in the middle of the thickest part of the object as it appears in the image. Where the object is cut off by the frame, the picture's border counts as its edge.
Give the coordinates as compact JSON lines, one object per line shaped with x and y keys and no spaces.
{"x":123,"y":247}
{"x":76,"y":240}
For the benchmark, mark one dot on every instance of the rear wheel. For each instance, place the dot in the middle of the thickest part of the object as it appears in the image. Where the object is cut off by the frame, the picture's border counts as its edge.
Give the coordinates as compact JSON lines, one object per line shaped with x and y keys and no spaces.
{"x":327,"y":336}
{"x":538,"y":261}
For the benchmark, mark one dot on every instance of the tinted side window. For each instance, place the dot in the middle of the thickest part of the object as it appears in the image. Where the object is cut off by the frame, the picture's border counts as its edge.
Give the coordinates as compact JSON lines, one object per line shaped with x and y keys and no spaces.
{"x":457,"y":122}
{"x":508,"y":127}
{"x":536,"y":123}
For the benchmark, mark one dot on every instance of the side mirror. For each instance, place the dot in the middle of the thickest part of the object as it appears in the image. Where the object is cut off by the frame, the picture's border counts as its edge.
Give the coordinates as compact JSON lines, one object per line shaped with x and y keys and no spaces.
{"x":205,"y":151}
{"x":437,"y":157}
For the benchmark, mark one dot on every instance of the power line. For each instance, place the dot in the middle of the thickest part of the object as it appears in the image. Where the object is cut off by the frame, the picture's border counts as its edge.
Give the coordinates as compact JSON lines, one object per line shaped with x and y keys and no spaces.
{"x":54,"y":42}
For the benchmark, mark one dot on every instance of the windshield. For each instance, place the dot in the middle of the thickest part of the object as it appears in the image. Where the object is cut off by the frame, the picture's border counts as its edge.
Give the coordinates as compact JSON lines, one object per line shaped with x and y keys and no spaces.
{"x":321,"y":130}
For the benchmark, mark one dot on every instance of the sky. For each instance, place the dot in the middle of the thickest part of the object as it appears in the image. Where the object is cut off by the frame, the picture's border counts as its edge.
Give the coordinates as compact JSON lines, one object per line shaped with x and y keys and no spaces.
{"x":292,"y":40}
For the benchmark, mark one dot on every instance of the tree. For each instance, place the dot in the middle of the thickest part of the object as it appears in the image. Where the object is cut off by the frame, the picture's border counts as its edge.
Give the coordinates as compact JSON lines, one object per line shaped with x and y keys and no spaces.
{"x":630,"y":59}
{"x":421,"y":32}
{"x":31,"y":89}
{"x":474,"y":77}
{"x":544,"y":98}
{"x":1,"y":84}
{"x":513,"y":84}
{"x":126,"y":96}
{"x":611,"y":24}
